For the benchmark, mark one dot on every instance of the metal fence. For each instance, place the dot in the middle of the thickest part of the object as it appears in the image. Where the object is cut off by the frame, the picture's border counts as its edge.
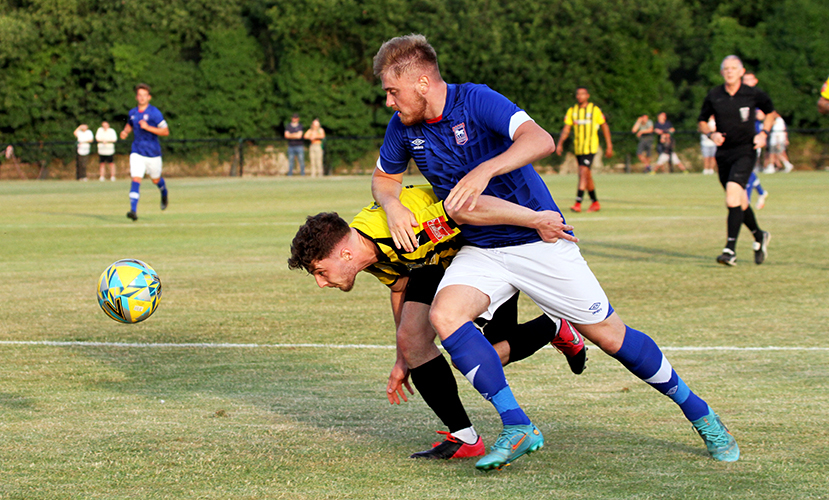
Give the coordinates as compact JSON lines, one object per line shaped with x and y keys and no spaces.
{"x":267,"y":156}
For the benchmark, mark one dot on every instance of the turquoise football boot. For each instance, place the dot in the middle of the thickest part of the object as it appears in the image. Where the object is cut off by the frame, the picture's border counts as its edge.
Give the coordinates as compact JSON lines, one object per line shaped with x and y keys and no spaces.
{"x":720,"y":443}
{"x":514,"y":441}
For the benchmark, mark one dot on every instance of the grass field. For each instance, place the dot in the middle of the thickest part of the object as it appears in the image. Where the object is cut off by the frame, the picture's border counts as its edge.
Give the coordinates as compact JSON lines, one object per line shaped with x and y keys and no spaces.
{"x":93,"y":409}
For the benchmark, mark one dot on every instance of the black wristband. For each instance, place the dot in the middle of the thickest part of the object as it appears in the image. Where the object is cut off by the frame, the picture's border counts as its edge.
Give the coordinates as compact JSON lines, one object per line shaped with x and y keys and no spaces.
{"x":768,"y":132}
{"x":709,"y":134}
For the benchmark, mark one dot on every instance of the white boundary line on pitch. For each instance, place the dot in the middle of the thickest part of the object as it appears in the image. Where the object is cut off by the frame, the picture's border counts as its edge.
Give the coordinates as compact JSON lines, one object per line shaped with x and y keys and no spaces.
{"x":301,"y":218}
{"x":210,"y":345}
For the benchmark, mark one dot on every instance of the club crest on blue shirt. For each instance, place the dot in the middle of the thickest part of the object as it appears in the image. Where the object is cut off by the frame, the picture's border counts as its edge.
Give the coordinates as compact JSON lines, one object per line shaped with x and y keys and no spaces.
{"x":460,"y":134}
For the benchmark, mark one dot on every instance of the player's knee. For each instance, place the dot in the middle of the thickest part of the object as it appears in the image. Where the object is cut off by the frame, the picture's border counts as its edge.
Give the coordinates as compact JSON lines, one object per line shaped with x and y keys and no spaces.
{"x":444,"y":320}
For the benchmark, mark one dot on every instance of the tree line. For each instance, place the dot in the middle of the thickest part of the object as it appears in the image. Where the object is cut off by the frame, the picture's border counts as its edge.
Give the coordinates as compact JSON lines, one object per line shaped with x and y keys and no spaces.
{"x":240,"y":68}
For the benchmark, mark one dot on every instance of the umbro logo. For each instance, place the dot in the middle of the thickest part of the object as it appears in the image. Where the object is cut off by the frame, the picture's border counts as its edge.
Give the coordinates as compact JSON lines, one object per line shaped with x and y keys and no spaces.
{"x":418,"y":143}
{"x":596,"y":308}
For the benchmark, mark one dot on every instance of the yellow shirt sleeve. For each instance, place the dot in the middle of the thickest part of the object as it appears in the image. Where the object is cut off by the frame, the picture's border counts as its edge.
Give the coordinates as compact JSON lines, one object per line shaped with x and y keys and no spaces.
{"x":599,"y":116}
{"x":568,"y":118}
{"x":436,"y":235}
{"x":824,"y":92}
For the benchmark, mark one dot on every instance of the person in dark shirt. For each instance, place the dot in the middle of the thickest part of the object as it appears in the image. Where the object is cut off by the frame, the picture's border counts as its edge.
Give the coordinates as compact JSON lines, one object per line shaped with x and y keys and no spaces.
{"x":733,"y":106}
{"x":296,"y":147}
{"x":664,"y":129}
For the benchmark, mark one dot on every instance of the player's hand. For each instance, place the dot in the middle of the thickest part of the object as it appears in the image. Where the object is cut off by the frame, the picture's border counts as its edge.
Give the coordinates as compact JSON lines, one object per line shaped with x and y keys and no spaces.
{"x":398,"y":379}
{"x":608,"y":152}
{"x":551,"y":227}
{"x":718,"y":138}
{"x":560,"y":148}
{"x":468,"y":189}
{"x":123,"y":134}
{"x":760,"y":141}
{"x":143,"y":124}
{"x":401,"y":223}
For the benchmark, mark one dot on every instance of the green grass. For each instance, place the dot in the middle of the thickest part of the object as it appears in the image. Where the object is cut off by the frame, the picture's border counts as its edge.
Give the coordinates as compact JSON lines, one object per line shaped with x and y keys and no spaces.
{"x":102,"y":421}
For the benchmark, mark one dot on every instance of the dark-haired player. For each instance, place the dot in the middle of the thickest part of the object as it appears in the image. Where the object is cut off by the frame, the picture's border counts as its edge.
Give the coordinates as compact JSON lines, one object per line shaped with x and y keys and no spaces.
{"x":334,"y":252}
{"x":148,"y":124}
{"x":468,"y":140}
{"x":585,"y":118}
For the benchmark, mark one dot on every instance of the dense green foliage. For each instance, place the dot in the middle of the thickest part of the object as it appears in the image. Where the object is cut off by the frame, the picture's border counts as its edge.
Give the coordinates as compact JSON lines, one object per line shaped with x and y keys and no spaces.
{"x":242,"y":67}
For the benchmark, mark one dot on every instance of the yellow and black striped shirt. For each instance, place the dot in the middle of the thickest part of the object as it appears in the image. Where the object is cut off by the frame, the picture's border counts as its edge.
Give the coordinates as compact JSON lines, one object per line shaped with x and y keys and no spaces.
{"x":824,"y":92}
{"x":436,"y":235}
{"x":585,"y":132}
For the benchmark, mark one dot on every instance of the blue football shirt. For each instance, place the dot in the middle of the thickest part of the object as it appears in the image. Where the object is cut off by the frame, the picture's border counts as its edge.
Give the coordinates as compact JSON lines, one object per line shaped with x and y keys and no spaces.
{"x":146,"y":143}
{"x":477,"y":124}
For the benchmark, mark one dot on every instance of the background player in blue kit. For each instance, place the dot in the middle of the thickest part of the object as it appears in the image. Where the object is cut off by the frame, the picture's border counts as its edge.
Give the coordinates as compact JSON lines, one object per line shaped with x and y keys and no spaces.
{"x":468,"y":140}
{"x":148,"y":124}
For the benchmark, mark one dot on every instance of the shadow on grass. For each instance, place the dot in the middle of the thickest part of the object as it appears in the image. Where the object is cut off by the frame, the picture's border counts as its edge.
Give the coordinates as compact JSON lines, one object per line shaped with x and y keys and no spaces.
{"x":335,"y":393}
{"x":628,"y":252}
{"x":9,"y":401}
{"x":100,"y":217}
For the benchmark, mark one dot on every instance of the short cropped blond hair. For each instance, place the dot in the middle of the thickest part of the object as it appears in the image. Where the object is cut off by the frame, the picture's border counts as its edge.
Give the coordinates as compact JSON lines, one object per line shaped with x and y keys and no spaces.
{"x":403,"y":53}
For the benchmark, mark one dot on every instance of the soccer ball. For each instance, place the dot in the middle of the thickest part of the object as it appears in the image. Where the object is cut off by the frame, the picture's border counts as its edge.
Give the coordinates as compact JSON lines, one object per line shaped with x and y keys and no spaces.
{"x":129,"y":291}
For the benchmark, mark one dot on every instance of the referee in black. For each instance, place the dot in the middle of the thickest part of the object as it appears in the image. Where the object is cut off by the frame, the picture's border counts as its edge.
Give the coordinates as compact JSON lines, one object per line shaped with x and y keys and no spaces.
{"x":733,"y":106}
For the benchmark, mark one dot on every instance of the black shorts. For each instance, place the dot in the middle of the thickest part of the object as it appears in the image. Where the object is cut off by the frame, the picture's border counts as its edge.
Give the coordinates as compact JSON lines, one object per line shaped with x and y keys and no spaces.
{"x":735,"y":165}
{"x":423,"y":284}
{"x":106,"y":158}
{"x":585,"y":160}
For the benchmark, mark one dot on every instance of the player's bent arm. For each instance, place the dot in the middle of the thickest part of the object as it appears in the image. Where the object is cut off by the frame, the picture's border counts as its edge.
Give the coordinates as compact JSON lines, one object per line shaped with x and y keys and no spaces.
{"x":823,"y":105}
{"x":386,"y":189}
{"x":715,"y":136}
{"x":565,"y":133}
{"x":126,"y":132}
{"x":763,"y":136}
{"x":607,"y":141}
{"x":398,"y":293}
{"x":399,"y":376}
{"x":159,"y":131}
{"x":530,"y":142}
{"x":495,"y":211}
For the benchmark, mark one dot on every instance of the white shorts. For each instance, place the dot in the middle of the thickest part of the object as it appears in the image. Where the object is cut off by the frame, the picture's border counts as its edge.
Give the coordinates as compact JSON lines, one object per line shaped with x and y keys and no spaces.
{"x":554,"y":275}
{"x":140,"y":165}
{"x":663,"y":159}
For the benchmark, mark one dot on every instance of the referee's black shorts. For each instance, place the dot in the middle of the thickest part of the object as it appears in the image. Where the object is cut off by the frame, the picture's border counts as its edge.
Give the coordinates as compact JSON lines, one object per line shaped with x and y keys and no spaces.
{"x":735,"y":164}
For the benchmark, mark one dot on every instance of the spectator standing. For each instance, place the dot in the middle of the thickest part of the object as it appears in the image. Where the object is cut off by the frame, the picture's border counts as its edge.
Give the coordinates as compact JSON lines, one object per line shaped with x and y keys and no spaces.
{"x":296,"y":148}
{"x":643,"y":128}
{"x":733,"y":105}
{"x":586,"y":118}
{"x":778,"y":141}
{"x":664,"y":129}
{"x":709,"y":150}
{"x":315,"y":134}
{"x":106,"y":138}
{"x":85,"y":138}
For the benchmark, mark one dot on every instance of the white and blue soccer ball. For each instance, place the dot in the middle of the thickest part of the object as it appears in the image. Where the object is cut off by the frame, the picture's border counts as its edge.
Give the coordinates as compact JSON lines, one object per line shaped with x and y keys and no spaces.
{"x":129,"y":291}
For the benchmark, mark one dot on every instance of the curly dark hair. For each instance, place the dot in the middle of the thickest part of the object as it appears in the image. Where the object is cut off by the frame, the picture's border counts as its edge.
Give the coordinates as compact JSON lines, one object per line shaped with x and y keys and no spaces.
{"x":316,"y":239}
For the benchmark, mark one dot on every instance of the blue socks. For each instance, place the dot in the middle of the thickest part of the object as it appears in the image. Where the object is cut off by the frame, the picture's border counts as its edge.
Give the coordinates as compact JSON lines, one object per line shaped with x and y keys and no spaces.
{"x":477,"y":360}
{"x":134,"y":195}
{"x":162,"y":186}
{"x":642,"y":357}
